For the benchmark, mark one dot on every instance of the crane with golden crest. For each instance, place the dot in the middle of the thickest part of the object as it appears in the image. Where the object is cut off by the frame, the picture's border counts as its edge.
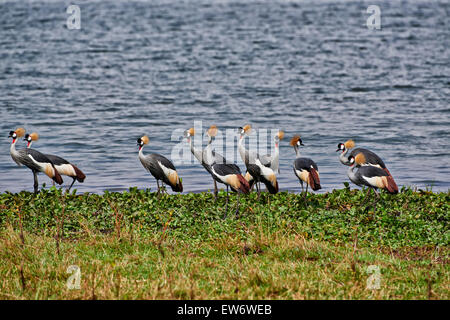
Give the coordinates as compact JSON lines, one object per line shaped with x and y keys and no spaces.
{"x":63,"y":166}
{"x":257,"y":171}
{"x":33,"y":159}
{"x":305,"y":169}
{"x":161,"y":168}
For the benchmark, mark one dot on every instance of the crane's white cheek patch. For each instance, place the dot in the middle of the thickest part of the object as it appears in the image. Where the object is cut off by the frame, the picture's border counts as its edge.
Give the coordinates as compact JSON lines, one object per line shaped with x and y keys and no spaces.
{"x":66,"y":169}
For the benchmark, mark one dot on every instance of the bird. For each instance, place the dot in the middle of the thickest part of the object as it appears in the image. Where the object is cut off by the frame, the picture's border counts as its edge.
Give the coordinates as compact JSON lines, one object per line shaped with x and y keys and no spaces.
{"x":273,"y":161}
{"x":370,"y":158}
{"x":63,"y":166}
{"x":160,"y":167}
{"x":372,"y":177}
{"x":256,"y":170}
{"x":363,"y":157}
{"x":305,"y":169}
{"x":224,"y":172}
{"x":33,"y":159}
{"x":201,"y":156}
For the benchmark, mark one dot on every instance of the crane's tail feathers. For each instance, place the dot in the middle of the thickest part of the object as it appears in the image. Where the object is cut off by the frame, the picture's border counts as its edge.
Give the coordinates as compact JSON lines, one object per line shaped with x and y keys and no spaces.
{"x":314,"y":180}
{"x":80,"y":176}
{"x":57,"y":177}
{"x":244,"y":186}
{"x":391,"y":186}
{"x":175,"y":182}
{"x":271,"y":183}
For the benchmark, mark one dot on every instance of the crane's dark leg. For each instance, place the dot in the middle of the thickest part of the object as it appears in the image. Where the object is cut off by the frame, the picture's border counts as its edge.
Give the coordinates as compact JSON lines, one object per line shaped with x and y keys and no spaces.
{"x":159,"y":189}
{"x":377,"y":196}
{"x":74,"y":179}
{"x":163,"y":187}
{"x":367,"y":196}
{"x":367,"y":199}
{"x":226,"y":206}
{"x":237,"y":204}
{"x":36,"y":183}
{"x":216,"y":191}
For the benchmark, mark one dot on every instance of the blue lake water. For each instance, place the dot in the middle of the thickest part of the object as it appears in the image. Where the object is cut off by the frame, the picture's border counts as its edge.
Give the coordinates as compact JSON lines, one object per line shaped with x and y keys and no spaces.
{"x":155,"y":67}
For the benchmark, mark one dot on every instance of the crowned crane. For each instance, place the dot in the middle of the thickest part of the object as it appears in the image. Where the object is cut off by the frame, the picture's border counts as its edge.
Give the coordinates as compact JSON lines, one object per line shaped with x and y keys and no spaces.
{"x":201,"y":156}
{"x":273,"y":161}
{"x":160,"y":167}
{"x":256,"y":170}
{"x":305,"y":169}
{"x":225,"y":172}
{"x":370,"y":158}
{"x":372,"y":177}
{"x":63,"y":166}
{"x":363,"y":157}
{"x":33,"y":159}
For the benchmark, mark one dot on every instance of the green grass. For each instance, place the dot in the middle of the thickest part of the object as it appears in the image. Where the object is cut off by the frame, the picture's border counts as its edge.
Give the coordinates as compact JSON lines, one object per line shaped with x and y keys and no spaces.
{"x":132,"y":245}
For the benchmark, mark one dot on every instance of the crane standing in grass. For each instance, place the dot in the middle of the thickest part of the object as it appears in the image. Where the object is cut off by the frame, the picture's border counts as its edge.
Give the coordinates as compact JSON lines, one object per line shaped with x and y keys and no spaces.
{"x":224,"y":172}
{"x":63,"y":166}
{"x":305,"y":169}
{"x":256,"y":170}
{"x":362,"y":157}
{"x":33,"y":159}
{"x":372,"y":177}
{"x":160,"y":167}
{"x":201,"y":155}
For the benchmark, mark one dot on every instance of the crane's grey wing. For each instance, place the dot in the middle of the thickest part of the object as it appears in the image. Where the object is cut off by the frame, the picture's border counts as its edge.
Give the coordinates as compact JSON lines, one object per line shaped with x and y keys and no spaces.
{"x":371,"y":171}
{"x":224,"y":169}
{"x":164,"y":161}
{"x":371,"y":157}
{"x":150,"y":162}
{"x":57,"y":161}
{"x":305,"y":164}
{"x":29,"y":158}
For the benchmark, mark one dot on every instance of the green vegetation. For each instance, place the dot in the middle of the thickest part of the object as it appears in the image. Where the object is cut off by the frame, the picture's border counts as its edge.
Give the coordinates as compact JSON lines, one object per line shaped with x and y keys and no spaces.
{"x":133,"y":245}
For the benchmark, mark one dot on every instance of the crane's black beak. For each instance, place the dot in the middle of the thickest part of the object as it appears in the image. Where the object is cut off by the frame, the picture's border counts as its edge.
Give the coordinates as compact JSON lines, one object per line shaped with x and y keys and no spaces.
{"x":338,"y":150}
{"x":10,"y":134}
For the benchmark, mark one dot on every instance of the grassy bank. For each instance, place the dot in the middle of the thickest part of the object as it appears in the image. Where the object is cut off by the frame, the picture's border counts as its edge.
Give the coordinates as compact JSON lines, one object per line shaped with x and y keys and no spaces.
{"x":133,"y":245}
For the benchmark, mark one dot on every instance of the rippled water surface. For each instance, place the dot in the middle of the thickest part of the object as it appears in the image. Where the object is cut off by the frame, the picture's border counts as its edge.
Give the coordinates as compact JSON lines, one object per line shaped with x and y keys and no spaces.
{"x":153,"y":67}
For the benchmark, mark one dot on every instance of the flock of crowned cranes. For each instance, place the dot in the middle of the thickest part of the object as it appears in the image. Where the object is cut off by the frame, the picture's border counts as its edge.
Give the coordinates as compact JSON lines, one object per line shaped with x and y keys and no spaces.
{"x":365,"y":167}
